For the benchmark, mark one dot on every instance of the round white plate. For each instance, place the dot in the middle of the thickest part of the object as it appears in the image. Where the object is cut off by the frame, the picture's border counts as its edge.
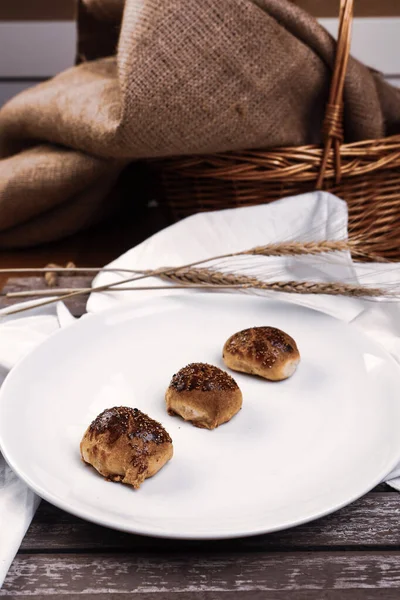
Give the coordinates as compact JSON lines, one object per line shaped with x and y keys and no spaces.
{"x":297,"y":450}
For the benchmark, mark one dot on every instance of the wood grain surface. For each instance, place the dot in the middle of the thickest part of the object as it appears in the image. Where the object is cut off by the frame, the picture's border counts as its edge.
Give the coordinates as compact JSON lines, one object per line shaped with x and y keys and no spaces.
{"x":371,"y":522}
{"x":94,"y":247}
{"x":196,"y":576}
{"x":37,"y":10}
{"x":41,"y":10}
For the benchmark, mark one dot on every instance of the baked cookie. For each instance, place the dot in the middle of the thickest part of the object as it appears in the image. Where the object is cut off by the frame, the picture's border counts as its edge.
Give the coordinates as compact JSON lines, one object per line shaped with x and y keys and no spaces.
{"x":204,"y":395}
{"x":265,"y":351}
{"x":123,"y":444}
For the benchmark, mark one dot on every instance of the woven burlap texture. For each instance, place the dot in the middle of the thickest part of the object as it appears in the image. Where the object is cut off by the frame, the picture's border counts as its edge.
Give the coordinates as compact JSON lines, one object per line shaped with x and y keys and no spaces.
{"x":157,"y":79}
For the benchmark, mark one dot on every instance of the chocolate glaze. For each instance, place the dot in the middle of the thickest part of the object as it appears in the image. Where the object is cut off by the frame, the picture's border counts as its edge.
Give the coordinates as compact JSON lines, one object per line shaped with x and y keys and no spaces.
{"x":202,"y":377}
{"x":263,"y":344}
{"x":132,"y":422}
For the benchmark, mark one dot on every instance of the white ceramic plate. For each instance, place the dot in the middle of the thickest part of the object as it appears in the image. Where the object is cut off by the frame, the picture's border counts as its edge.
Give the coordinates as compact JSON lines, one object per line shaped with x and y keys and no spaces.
{"x":297,"y":450}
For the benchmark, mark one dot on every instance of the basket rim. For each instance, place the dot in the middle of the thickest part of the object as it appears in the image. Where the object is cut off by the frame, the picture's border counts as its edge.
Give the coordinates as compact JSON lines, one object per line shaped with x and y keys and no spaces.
{"x":295,"y":163}
{"x":391,"y":142}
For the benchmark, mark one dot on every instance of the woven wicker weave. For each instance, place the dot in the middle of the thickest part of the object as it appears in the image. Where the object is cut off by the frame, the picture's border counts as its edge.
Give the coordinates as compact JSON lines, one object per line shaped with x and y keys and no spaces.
{"x":366,"y":174}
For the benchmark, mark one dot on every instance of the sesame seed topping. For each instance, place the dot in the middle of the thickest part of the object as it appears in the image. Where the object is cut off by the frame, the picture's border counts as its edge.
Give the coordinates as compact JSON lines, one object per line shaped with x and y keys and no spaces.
{"x":263,"y":344}
{"x":202,"y":377}
{"x":132,"y":422}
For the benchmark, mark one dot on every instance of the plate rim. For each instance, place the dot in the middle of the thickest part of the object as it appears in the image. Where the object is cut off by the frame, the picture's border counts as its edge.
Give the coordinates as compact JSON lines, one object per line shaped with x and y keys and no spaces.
{"x":146,"y":530}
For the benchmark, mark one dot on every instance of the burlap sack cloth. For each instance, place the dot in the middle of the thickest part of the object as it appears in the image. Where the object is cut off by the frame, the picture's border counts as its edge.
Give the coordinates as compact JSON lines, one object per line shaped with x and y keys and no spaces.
{"x":170,"y":77}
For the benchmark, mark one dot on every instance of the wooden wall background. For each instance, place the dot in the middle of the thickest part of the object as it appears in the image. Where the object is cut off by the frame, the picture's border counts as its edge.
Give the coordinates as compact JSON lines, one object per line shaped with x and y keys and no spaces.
{"x":37,"y":38}
{"x":54,"y":10}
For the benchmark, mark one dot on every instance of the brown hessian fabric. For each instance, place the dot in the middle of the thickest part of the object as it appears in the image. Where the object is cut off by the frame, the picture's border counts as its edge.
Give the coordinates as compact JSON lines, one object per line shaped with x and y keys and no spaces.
{"x":161,"y":78}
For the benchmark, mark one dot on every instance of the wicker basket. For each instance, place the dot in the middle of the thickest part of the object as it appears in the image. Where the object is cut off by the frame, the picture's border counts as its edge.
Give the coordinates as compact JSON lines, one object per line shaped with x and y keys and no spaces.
{"x":366,"y":174}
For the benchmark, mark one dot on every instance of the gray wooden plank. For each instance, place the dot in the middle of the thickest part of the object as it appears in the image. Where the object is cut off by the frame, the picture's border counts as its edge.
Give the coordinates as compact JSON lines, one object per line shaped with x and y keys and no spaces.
{"x":362,"y":594}
{"x":77,"y":304}
{"x":365,"y":8}
{"x":372,"y":521}
{"x":36,"y":49}
{"x":394,"y":80}
{"x":38,"y":10}
{"x":383,"y":54}
{"x":34,"y":575}
{"x":24,"y":45}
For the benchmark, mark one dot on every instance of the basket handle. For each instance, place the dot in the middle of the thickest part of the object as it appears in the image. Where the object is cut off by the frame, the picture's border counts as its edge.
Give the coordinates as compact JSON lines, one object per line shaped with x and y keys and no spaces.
{"x":332,"y":129}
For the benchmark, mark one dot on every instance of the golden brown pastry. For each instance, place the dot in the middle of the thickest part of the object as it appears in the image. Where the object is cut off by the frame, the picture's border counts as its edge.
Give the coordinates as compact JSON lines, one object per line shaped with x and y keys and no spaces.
{"x":123,"y":444}
{"x":204,"y":395}
{"x":265,"y":351}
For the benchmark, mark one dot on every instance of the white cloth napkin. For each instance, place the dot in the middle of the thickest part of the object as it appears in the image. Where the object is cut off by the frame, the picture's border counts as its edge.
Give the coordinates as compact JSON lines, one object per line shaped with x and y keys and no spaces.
{"x":314,"y":216}
{"x":309,"y":217}
{"x":19,"y":335}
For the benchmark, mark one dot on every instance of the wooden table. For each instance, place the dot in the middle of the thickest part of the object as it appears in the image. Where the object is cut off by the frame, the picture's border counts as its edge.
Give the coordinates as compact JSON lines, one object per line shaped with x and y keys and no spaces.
{"x":353,"y":554}
{"x":95,"y":247}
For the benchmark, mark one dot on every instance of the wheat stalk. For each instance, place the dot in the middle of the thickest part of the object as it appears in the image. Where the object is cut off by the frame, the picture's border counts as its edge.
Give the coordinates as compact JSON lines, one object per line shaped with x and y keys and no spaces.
{"x":183,"y":286}
{"x":188,"y":275}
{"x":319,"y":247}
{"x":209,"y":279}
{"x":276,"y":249}
{"x":299,"y":248}
{"x":64,"y":270}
